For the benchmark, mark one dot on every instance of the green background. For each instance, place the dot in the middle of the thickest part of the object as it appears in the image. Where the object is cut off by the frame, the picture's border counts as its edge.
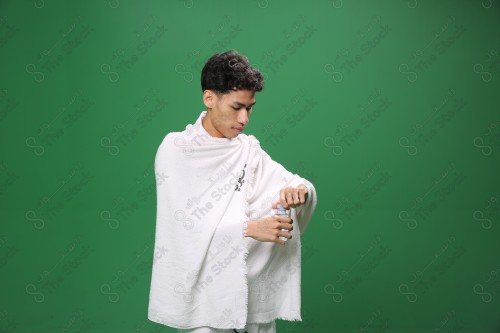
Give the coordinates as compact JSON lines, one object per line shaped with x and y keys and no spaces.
{"x":390,"y":109}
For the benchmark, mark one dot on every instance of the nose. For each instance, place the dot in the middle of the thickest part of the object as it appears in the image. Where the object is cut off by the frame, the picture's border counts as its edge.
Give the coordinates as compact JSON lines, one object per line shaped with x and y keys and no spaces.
{"x":243,"y":117}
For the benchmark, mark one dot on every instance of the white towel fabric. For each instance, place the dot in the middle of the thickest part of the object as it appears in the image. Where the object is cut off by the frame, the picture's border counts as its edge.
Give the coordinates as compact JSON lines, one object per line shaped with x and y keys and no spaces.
{"x":249,"y":328}
{"x":205,"y":272}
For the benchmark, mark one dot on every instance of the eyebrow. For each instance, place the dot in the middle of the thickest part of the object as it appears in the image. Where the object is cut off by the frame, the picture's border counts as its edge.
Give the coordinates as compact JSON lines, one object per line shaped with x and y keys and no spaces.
{"x":241,"y":104}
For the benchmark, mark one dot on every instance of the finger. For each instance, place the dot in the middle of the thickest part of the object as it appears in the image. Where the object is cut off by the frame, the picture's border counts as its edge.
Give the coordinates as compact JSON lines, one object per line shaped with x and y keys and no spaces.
{"x":296,"y":199}
{"x":286,"y":234}
{"x":284,"y":219}
{"x":280,"y":240}
{"x":306,"y":191}
{"x":302,"y":196}
{"x":275,"y":205}
{"x":289,"y":199}
{"x":283,"y":199}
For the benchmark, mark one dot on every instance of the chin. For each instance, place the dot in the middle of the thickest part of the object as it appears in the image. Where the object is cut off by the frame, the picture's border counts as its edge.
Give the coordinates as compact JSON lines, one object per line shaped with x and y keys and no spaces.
{"x":231,"y":135}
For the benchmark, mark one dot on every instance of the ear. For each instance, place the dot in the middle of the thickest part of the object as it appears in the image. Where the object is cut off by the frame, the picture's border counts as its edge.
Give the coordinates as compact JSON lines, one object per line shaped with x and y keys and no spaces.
{"x":209,"y":98}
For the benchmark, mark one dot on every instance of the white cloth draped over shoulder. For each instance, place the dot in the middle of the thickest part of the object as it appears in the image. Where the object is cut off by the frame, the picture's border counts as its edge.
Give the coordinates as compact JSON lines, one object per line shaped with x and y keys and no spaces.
{"x":205,"y":272}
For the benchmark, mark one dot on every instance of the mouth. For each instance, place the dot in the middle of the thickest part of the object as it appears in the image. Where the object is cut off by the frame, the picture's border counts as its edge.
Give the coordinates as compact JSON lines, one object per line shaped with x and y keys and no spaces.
{"x":238,"y":129}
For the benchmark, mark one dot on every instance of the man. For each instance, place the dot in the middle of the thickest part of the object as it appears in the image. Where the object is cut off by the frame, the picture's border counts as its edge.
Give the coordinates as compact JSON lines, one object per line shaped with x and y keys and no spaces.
{"x":224,"y":262}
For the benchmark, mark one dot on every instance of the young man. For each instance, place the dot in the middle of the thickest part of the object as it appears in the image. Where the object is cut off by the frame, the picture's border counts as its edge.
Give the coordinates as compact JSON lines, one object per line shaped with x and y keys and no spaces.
{"x":224,"y":261}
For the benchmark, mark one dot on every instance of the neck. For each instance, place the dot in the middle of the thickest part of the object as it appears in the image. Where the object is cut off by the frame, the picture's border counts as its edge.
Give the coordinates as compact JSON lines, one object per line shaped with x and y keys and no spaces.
{"x":207,"y":125}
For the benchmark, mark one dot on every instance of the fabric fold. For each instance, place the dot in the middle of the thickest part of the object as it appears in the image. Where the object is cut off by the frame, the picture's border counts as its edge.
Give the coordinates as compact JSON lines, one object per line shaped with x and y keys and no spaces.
{"x":203,"y":265}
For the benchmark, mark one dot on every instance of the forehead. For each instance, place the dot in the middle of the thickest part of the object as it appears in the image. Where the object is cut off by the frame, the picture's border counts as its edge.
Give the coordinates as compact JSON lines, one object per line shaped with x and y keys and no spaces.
{"x":244,"y":96}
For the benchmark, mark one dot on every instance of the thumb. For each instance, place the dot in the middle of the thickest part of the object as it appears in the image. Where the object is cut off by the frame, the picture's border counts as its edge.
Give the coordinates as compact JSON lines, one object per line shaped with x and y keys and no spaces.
{"x":275,"y":205}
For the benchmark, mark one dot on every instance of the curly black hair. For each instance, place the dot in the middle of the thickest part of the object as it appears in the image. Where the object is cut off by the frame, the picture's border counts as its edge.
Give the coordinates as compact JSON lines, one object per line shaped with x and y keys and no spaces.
{"x":230,"y":71}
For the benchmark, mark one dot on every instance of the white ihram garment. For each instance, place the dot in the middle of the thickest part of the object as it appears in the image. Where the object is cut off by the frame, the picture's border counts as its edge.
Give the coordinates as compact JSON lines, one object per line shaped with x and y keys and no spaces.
{"x":205,"y":272}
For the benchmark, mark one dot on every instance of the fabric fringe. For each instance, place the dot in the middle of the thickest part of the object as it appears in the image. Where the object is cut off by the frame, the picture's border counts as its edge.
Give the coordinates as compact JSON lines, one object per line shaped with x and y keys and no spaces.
{"x":251,"y":174}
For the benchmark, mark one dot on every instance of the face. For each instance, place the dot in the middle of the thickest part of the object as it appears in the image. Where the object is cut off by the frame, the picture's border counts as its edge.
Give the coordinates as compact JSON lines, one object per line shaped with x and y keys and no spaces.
{"x":227,"y":115}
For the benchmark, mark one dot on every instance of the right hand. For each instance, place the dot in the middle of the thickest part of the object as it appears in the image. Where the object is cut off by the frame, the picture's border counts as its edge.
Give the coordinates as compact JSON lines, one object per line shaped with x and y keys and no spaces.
{"x":268,"y":229}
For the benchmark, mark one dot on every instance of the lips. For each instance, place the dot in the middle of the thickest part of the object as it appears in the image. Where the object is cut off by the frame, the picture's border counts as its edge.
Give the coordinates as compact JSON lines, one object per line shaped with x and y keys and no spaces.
{"x":240,"y":129}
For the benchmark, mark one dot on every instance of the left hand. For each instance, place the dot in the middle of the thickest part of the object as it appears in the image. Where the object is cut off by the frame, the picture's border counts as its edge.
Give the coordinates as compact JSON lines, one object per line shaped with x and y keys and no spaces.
{"x":292,"y":196}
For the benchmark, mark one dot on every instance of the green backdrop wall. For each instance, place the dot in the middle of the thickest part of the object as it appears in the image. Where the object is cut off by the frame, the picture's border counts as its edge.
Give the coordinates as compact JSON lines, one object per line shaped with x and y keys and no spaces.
{"x":390,"y":109}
